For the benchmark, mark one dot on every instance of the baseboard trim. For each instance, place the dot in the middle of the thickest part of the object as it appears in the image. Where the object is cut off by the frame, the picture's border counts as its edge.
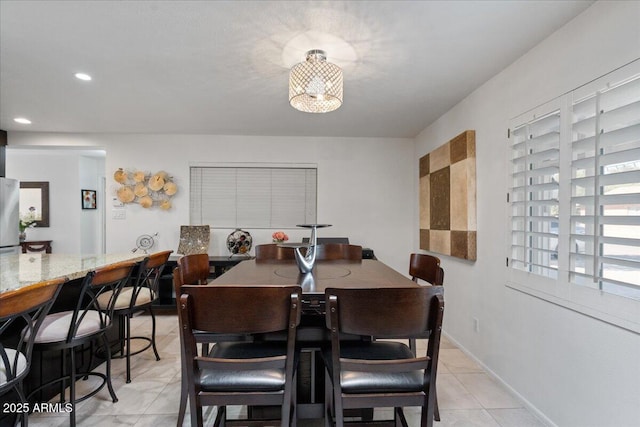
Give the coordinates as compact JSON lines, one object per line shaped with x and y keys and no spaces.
{"x":539,"y":414}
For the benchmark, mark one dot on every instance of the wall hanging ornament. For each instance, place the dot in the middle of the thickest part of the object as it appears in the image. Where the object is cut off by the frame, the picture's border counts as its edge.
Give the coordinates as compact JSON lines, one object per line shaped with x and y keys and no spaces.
{"x":146,"y":189}
{"x":448,"y":198}
{"x":239,"y":242}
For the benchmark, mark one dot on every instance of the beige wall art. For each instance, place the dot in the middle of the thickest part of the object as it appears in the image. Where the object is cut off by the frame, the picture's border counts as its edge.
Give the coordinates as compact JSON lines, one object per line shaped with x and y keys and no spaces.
{"x":448,"y":198}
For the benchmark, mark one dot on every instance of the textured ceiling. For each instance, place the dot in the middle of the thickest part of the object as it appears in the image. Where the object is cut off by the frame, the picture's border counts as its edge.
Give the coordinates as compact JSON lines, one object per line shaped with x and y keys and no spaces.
{"x":221,"y":67}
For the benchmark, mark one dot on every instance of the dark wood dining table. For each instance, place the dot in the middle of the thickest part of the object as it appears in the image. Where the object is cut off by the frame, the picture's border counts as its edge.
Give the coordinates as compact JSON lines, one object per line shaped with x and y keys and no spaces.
{"x":365,"y":273}
{"x":312,"y":334}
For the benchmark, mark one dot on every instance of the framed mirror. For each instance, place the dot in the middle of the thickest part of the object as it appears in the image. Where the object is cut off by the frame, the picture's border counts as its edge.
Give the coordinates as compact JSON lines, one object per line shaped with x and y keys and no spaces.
{"x":34,"y":202}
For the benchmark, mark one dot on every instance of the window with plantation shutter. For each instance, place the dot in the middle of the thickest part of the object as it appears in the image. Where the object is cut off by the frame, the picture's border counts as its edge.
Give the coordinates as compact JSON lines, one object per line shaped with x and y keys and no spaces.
{"x":534,"y":194}
{"x":605,"y":189}
{"x":574,"y":194}
{"x":252,"y":197}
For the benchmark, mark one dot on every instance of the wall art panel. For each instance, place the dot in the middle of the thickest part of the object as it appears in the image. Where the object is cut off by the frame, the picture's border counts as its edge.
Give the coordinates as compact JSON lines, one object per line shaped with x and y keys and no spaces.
{"x":448,"y":198}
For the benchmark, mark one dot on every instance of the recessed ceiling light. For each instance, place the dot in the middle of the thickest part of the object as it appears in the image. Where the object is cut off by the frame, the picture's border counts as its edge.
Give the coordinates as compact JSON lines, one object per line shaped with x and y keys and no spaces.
{"x":83,"y":76}
{"x":22,"y":121}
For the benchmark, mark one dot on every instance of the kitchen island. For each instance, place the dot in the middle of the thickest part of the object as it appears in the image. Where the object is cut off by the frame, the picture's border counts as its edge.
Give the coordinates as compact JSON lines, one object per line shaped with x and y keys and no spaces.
{"x":23,"y":270}
{"x":20,"y":270}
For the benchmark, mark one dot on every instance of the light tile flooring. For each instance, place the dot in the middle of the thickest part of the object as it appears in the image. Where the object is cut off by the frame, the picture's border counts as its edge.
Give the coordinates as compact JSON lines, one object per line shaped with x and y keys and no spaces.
{"x":467,"y":395}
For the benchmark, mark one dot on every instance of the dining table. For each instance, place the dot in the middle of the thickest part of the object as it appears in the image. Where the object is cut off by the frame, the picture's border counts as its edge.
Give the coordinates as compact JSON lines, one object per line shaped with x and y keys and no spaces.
{"x":312,"y":333}
{"x":366,"y":273}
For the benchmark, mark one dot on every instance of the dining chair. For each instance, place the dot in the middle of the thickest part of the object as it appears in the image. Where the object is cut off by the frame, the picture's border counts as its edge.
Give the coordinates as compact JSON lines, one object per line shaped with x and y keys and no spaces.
{"x":338,"y":251}
{"x":22,"y":311}
{"x":366,"y":374}
{"x":136,"y":299}
{"x":88,"y":321}
{"x":427,"y":268}
{"x":273,"y":252}
{"x":240,"y":373}
{"x":193,"y":270}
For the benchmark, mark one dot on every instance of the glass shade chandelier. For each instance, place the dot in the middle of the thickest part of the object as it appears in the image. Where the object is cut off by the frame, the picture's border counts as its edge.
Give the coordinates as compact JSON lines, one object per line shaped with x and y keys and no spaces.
{"x":315,"y":86}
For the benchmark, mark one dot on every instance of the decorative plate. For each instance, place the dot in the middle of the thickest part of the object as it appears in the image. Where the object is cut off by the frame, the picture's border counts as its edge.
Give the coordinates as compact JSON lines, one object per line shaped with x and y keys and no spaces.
{"x":239,"y":242}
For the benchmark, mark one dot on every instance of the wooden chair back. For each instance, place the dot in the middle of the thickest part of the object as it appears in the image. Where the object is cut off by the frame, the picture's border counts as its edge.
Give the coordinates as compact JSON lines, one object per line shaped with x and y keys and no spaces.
{"x":28,"y":306}
{"x":273,"y":252}
{"x":427,"y":268}
{"x":194,"y":269}
{"x":107,"y":281}
{"x":22,"y":311}
{"x":414,"y":312}
{"x":338,"y":251}
{"x":149,"y":272}
{"x":239,"y":310}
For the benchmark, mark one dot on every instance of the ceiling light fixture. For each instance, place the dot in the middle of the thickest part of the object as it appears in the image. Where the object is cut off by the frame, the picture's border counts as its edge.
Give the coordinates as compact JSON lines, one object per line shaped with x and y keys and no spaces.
{"x":315,"y":86}
{"x":22,"y":121}
{"x":83,"y":76}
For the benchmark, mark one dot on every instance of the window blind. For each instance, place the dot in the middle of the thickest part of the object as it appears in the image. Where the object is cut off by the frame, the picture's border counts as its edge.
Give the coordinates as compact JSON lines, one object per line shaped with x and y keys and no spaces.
{"x":253,"y":197}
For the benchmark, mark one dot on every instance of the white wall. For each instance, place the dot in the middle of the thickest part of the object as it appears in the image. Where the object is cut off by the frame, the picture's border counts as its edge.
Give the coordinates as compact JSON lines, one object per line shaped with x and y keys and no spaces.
{"x":365,"y":185}
{"x":91,"y":230}
{"x":61,"y":169}
{"x":573,"y":369}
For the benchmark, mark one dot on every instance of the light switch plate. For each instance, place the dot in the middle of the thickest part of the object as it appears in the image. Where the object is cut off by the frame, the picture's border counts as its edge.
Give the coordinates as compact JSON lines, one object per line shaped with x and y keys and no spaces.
{"x":118,"y":213}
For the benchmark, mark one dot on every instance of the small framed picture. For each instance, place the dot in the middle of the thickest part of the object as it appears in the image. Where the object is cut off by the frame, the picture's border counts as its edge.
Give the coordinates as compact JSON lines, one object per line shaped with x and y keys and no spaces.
{"x":88,"y":199}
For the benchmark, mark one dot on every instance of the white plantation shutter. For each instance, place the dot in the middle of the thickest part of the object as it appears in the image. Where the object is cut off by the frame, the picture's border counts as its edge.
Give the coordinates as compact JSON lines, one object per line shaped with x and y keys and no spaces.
{"x":534,"y":194}
{"x":605,"y":189}
{"x":253,"y":197}
{"x":575,"y":187}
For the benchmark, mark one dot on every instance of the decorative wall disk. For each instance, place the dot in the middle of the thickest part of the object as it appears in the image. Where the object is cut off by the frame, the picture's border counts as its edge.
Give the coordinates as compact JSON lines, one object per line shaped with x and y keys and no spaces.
{"x":145,"y":188}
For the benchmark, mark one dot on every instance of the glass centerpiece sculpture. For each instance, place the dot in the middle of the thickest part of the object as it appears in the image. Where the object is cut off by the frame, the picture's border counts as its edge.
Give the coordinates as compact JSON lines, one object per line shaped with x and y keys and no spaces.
{"x":307,"y":261}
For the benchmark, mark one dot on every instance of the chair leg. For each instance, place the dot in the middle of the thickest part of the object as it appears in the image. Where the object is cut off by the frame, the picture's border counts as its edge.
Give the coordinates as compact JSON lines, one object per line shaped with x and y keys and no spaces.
{"x":153,"y":333}
{"x":427,"y":414}
{"x":24,"y":417}
{"x":63,"y":370}
{"x":287,"y":412}
{"x":328,"y":398}
{"x":127,"y":318}
{"x":338,"y":409}
{"x":400,"y":419}
{"x":91,"y":353}
{"x":184,"y":385}
{"x":294,"y":400}
{"x":436,"y":410}
{"x":72,"y":387}
{"x":196,"y":410}
{"x":184,"y":394}
{"x":412,"y":346}
{"x":114,"y":398}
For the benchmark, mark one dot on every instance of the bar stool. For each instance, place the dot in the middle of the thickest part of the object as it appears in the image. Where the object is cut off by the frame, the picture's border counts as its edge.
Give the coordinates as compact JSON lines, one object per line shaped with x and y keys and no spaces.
{"x":21,"y":314}
{"x":68,"y":331}
{"x":135,"y":299}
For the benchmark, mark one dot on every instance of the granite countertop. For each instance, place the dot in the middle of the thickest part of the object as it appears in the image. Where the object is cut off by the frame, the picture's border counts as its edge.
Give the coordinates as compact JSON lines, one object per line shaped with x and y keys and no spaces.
{"x":17,"y":271}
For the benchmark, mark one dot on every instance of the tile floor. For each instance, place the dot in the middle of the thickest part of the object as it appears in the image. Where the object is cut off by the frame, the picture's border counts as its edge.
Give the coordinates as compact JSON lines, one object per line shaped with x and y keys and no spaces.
{"x":466,"y":394}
